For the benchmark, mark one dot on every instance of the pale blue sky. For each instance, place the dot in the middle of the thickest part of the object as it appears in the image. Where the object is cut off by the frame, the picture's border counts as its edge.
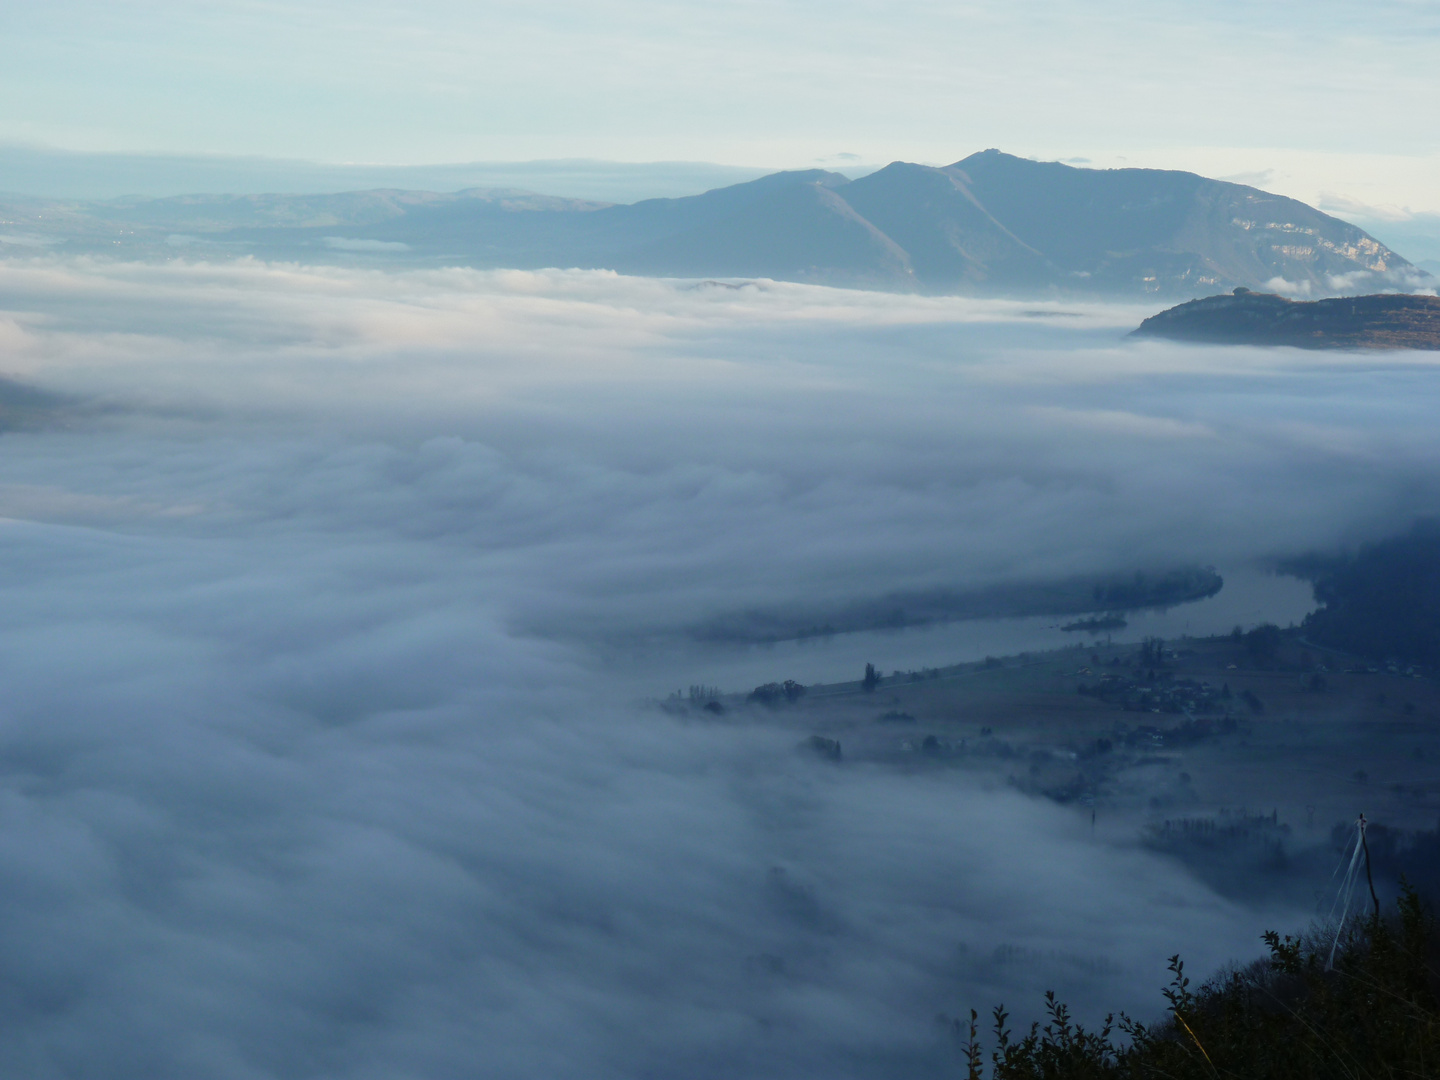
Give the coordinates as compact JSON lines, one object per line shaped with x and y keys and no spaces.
{"x":1331,"y":98}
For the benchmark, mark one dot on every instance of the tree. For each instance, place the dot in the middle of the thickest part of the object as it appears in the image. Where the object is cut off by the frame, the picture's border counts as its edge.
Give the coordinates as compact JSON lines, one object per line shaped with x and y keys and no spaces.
{"x":1152,"y":652}
{"x":1263,"y":644}
{"x":1362,"y":1006}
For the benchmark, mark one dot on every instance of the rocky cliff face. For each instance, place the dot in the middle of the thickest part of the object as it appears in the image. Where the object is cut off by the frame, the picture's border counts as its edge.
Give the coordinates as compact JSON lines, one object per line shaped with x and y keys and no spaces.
{"x":1388,"y":321}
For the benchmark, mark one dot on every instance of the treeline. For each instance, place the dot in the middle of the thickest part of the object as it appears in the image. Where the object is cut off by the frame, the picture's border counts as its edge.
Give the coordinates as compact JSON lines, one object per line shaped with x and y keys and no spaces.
{"x":1383,"y":602}
{"x":1110,"y":594}
{"x":1363,"y":1007}
{"x":1158,"y":590}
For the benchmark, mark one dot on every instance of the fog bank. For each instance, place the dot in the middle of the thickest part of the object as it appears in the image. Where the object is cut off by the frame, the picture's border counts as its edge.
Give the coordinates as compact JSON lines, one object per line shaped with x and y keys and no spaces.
{"x":331,"y":598}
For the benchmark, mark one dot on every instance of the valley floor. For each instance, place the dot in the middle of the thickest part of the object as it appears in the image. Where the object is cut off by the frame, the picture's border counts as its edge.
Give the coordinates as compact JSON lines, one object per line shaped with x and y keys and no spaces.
{"x":1238,"y":767}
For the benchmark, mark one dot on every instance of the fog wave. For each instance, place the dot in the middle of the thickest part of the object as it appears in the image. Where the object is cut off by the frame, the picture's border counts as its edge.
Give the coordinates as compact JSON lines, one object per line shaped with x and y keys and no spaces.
{"x":331,"y":598}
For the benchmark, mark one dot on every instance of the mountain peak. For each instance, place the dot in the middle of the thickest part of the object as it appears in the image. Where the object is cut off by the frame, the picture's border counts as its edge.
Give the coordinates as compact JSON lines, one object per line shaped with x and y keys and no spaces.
{"x":993,"y":156}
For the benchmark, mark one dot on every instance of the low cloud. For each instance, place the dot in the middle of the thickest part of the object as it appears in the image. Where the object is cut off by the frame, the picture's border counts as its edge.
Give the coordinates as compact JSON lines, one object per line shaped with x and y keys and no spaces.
{"x":323,"y":641}
{"x":1114,"y":421}
{"x":1296,"y":288}
{"x":1345,"y":206}
{"x":1259,"y":178}
{"x":348,"y":243}
{"x":26,"y":240}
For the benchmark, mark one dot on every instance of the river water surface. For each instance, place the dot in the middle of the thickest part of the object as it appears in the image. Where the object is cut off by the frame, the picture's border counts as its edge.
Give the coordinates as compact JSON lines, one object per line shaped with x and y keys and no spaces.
{"x":1250,"y":596}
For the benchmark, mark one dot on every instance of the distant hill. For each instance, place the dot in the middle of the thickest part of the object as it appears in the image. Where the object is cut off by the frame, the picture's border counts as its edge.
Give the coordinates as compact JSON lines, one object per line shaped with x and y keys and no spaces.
{"x":992,"y":224}
{"x":1387,"y":321}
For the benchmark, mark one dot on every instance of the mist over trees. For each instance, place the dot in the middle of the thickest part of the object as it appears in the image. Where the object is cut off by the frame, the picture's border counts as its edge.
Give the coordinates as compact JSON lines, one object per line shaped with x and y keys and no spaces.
{"x":1383,"y":602}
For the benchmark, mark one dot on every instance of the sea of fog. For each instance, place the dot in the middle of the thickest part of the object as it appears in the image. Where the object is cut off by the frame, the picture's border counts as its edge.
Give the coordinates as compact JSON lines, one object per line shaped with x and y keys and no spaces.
{"x":331,"y":600}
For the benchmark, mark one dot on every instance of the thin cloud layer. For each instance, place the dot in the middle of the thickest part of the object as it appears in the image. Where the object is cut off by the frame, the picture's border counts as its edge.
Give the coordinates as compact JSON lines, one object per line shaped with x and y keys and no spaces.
{"x":328,"y":603}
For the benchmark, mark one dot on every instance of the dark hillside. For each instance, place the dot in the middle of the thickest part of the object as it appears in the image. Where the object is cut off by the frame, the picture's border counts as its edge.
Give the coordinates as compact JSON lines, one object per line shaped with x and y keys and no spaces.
{"x":1386,"y":321}
{"x":1383,"y":602}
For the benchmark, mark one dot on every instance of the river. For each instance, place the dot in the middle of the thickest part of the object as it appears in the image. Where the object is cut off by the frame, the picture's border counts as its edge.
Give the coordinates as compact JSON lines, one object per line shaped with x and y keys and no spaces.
{"x":1250,"y":596}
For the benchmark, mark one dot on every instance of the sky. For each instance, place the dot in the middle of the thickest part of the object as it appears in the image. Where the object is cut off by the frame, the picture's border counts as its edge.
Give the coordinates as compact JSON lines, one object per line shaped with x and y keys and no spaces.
{"x":1321,"y":101}
{"x":329,"y":646}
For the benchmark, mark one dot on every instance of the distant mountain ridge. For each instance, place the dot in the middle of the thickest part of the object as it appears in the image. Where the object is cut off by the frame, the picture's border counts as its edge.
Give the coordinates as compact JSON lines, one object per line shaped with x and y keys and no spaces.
{"x":992,"y":224}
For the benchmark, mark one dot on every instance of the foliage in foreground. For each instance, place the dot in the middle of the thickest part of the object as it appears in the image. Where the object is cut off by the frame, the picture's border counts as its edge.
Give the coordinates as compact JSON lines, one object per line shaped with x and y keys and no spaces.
{"x":1375,"y":1014}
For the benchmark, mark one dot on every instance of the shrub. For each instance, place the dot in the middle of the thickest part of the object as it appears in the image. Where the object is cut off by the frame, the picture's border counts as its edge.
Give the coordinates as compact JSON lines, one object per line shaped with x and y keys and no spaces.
{"x":1370,"y":1011}
{"x":774,"y":694}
